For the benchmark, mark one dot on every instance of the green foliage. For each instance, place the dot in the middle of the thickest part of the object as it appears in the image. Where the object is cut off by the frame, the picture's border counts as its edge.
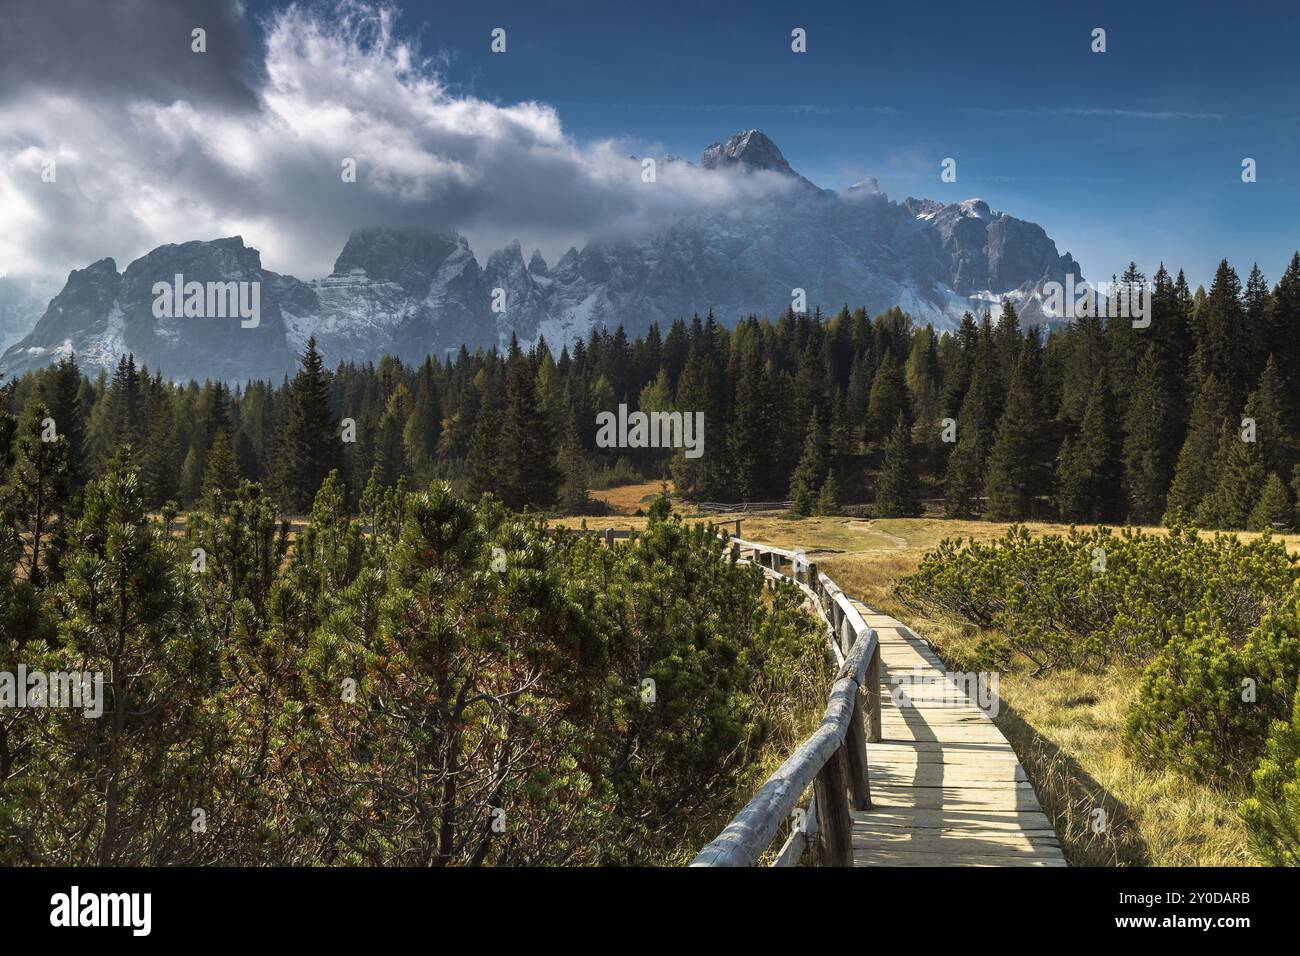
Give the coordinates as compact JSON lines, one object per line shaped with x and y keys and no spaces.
{"x":807,"y":478}
{"x":1273,"y":511}
{"x":1089,"y":597}
{"x":1272,"y":814}
{"x":896,"y":488}
{"x":381,"y":698}
{"x":309,"y":440}
{"x":1189,"y":713}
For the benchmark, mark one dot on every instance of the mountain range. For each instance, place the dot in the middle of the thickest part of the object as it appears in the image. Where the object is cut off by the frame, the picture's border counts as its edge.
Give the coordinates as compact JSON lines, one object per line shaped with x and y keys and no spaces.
{"x":412,"y":292}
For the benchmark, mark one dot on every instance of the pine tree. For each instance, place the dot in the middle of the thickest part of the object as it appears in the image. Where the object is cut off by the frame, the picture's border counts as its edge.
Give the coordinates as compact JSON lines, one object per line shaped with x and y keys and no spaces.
{"x":1283,"y":320}
{"x":61,"y":390}
{"x":484,"y":459}
{"x":575,"y":497}
{"x":1015,"y":472}
{"x":308,"y":447}
{"x":1193,"y":478}
{"x":39,"y":486}
{"x":390,"y":447}
{"x":127,"y":613}
{"x":976,"y":430}
{"x":828,"y":502}
{"x":424,"y":426}
{"x":528,"y":475}
{"x":220,"y":476}
{"x":748,"y":435}
{"x":806,"y":480}
{"x":1147,"y":469}
{"x":1087,"y":475}
{"x":1239,"y":473}
{"x":1269,"y":406}
{"x":1221,"y":349}
{"x":897,"y":484}
{"x":160,"y":462}
{"x":888,"y":399}
{"x":1273,"y":511}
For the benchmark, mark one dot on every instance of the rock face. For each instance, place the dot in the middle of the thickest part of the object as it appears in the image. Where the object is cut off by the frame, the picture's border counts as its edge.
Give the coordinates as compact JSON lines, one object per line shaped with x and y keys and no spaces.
{"x":412,"y":292}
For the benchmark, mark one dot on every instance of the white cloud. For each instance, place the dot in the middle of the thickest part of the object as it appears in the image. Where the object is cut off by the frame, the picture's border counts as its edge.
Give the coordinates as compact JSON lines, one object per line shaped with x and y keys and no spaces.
{"x":136,"y":170}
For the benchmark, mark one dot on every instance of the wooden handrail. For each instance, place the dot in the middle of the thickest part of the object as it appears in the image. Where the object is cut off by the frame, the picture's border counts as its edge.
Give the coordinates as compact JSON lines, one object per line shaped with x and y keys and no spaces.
{"x":833,"y":759}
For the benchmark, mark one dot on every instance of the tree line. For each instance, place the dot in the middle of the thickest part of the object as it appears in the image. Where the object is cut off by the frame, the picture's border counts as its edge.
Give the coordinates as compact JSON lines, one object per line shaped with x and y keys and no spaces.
{"x":1090,"y":420}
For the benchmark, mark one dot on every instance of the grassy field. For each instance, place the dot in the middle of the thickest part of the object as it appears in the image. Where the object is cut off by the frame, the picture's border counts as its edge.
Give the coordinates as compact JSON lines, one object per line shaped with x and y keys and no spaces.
{"x":1067,"y":726}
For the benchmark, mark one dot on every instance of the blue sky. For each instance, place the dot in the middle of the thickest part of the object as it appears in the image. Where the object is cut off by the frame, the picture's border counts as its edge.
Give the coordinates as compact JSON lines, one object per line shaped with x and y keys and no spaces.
{"x":1134,"y":153}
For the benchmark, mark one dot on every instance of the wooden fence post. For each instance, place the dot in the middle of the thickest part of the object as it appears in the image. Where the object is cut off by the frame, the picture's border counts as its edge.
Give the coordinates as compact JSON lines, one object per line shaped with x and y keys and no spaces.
{"x":737,"y":527}
{"x":855,"y":752}
{"x":609,"y":537}
{"x":833,"y":812}
{"x":873,"y":687}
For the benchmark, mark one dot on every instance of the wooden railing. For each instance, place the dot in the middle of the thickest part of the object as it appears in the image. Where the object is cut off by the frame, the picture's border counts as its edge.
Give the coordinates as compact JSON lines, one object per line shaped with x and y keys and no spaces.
{"x":833,"y":760}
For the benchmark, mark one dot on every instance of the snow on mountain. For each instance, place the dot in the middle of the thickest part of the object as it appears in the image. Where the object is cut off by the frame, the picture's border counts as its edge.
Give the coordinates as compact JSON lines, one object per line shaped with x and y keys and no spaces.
{"x":414,"y":292}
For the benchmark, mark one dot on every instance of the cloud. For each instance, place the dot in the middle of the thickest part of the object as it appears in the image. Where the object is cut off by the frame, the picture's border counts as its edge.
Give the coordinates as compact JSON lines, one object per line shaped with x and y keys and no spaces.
{"x":136,"y":48}
{"x":140,"y":164}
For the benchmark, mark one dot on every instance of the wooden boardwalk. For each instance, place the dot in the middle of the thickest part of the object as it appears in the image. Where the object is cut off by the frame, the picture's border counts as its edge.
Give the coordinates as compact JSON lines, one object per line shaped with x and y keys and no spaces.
{"x":946,"y":787}
{"x":905,"y":769}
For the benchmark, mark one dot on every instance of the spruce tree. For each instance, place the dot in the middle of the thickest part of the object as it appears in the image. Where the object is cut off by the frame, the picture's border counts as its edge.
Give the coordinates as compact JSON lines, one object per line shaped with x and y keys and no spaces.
{"x":828,"y":501}
{"x":309,"y":445}
{"x":528,"y":475}
{"x":976,"y":430}
{"x":1273,"y":511}
{"x":575,"y":498}
{"x":191,"y":479}
{"x":390,"y":446}
{"x":897,"y":484}
{"x":888,"y":399}
{"x":38,"y":486}
{"x":807,"y":477}
{"x":61,"y":390}
{"x":1015,"y":472}
{"x":1221,"y":347}
{"x":1283,"y":321}
{"x":1087,"y":476}
{"x":1238,"y":471}
{"x":220,"y":476}
{"x":160,"y":461}
{"x":484,"y":460}
{"x":424,"y":425}
{"x":1193,"y":478}
{"x":1147,"y":420}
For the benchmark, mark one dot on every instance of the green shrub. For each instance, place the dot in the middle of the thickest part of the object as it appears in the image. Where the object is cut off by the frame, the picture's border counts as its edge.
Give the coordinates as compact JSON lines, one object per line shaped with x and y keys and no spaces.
{"x":1089,"y":597}
{"x":1205,"y":703}
{"x":1272,"y":815}
{"x":1189,"y":713}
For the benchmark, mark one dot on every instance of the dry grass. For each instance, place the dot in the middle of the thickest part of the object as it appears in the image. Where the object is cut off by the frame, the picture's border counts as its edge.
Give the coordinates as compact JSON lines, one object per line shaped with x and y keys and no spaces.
{"x":1067,"y":726}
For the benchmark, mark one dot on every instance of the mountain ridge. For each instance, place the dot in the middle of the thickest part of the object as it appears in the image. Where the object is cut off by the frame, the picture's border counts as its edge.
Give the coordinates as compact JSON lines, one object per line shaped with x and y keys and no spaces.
{"x":411,"y":291}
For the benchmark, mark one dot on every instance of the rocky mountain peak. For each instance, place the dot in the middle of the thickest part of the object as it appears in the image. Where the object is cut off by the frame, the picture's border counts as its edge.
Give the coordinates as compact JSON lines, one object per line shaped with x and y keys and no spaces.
{"x":751,"y":149}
